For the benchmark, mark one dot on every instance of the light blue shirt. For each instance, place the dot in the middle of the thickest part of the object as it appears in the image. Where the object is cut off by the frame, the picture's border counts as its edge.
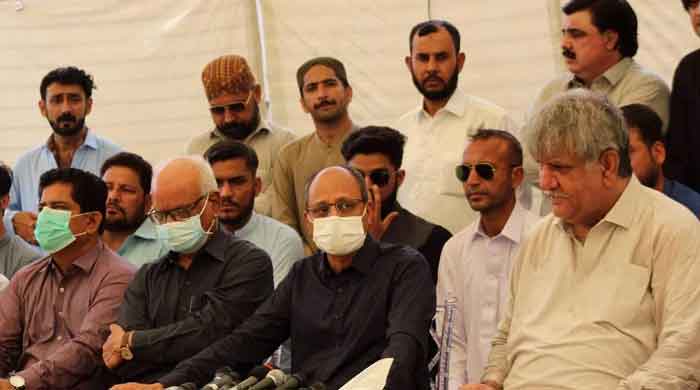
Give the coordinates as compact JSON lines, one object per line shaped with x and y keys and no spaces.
{"x":281,"y":242}
{"x":143,"y":246}
{"x":24,"y":194}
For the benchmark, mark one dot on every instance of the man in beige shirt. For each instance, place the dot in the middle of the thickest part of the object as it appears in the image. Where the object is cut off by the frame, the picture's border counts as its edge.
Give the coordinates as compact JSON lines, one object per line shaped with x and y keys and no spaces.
{"x":325,"y":95}
{"x":599,"y":41}
{"x":603,"y":293}
{"x":234,"y":105}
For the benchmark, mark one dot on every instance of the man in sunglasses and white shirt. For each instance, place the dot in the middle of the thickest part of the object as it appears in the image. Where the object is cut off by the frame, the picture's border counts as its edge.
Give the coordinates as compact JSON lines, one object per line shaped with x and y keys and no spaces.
{"x":234,"y":105}
{"x":377,"y":152}
{"x":475,"y":263}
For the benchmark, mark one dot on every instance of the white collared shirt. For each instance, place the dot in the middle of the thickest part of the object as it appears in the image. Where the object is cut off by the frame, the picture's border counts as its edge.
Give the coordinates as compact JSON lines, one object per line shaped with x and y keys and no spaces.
{"x":473,"y":272}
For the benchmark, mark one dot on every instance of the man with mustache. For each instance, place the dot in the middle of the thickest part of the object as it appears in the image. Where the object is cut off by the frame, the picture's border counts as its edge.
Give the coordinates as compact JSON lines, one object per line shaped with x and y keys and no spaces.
{"x":325,"y":95}
{"x":127,"y":230}
{"x":599,"y":41}
{"x":683,"y":138}
{"x":66,"y":100}
{"x":234,"y":105}
{"x":603,"y":292}
{"x":476,"y":262}
{"x":440,"y":126}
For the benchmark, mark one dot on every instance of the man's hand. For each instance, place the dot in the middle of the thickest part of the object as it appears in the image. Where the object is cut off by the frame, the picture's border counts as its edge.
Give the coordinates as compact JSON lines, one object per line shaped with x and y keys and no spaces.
{"x":137,"y":386}
{"x":481,"y":386}
{"x":24,"y":223}
{"x":375,"y":225}
{"x":111,"y":349}
{"x":5,"y":385}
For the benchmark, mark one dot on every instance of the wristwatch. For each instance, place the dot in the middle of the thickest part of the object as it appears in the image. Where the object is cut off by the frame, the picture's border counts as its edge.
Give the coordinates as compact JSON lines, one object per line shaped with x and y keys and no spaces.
{"x":124,"y":349}
{"x":17,"y":382}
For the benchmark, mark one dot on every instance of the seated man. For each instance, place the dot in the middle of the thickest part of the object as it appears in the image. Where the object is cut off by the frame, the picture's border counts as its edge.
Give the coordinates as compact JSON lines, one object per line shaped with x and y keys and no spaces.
{"x":377,"y":152}
{"x":54,"y":314}
{"x":14,"y":251}
{"x":648,"y":153}
{"x":127,"y":230}
{"x":206,"y":286}
{"x":603,"y":294}
{"x":353,"y":302}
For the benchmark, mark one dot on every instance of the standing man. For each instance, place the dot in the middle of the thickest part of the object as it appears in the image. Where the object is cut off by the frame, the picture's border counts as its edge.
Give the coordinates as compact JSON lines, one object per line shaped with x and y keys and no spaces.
{"x":476,"y":262}
{"x":54,"y":314}
{"x":14,"y":251}
{"x":439,"y":128}
{"x":377,"y":152}
{"x":205,"y":287}
{"x":599,"y":42}
{"x":648,"y":153}
{"x":603,"y":293}
{"x":234,"y":104}
{"x":325,"y":95}
{"x":127,"y":230}
{"x":66,"y":100}
{"x":683,"y":163}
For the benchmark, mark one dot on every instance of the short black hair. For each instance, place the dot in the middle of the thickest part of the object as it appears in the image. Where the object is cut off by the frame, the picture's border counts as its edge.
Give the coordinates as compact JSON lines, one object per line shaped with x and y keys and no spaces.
{"x":615,"y":15}
{"x":646,"y":120}
{"x":134,"y":162}
{"x":229,"y":150}
{"x":515,"y":149}
{"x":87,"y":190}
{"x":5,"y":179}
{"x":329,"y":62}
{"x":375,"y":139}
{"x":69,"y":75}
{"x":432,"y":26}
{"x":688,"y":4}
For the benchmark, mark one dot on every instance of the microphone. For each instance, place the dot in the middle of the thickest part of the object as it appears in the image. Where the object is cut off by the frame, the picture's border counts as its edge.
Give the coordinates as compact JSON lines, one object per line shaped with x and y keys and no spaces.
{"x":273,"y":378}
{"x":292,"y":382}
{"x":184,"y":386}
{"x":224,"y":376}
{"x":254,"y":376}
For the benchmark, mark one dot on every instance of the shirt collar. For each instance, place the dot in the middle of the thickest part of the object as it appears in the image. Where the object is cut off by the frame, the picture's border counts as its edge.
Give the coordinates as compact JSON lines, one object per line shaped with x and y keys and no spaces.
{"x":249,"y":227}
{"x":512,"y":230}
{"x":88,"y":260}
{"x":90,"y":140}
{"x":362,"y":260}
{"x":456,"y":105}
{"x":317,"y":140}
{"x":5,"y":239}
{"x":217,"y":244}
{"x":263,"y":127}
{"x":613,"y":75}
{"x":147,"y":230}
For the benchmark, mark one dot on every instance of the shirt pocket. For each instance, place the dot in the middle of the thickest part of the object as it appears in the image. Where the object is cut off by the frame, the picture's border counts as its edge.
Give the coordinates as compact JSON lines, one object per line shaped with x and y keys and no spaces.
{"x":448,"y":182}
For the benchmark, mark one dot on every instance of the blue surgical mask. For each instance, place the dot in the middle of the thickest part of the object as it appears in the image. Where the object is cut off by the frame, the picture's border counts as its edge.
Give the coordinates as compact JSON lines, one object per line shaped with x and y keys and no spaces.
{"x":185,"y":236}
{"x":52,"y":229}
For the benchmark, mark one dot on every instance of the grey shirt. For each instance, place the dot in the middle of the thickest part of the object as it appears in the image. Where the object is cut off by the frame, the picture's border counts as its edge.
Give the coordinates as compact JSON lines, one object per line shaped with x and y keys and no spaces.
{"x":15,"y":253}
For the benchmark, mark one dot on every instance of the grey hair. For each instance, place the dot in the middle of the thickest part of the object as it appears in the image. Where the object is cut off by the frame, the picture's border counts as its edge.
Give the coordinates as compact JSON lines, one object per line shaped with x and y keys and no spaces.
{"x":582,"y":123}
{"x":207,"y":180}
{"x":356,"y":174}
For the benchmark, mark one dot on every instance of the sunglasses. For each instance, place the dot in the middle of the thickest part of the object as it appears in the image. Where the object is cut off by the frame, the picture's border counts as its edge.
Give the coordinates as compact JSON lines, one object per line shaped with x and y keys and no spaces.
{"x":236,"y":108}
{"x":380,"y":176}
{"x":485,"y":170}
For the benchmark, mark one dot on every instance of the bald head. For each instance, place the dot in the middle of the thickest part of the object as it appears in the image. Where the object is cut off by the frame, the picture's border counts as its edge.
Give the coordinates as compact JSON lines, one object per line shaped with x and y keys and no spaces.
{"x":335,"y":182}
{"x":180,"y":181}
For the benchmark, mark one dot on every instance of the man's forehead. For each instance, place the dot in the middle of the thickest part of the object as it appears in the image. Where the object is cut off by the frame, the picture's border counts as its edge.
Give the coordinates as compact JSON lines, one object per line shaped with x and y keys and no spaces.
{"x":57,"y":88}
{"x":439,"y":41}
{"x":334,"y":184}
{"x":580,"y":20}
{"x":319,"y":73}
{"x":230,"y":168}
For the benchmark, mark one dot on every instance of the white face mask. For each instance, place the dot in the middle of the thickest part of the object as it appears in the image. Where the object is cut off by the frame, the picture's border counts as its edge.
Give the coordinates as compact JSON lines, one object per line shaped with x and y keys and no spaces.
{"x":339,"y":236}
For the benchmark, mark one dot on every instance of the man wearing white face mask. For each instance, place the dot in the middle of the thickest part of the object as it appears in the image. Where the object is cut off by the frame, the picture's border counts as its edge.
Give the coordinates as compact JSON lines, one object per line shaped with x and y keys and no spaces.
{"x":207,"y":285}
{"x":351,"y":303}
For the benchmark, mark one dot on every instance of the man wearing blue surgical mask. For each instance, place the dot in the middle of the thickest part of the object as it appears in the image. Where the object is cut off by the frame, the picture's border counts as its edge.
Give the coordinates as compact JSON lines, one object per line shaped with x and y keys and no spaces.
{"x":206,"y":286}
{"x":55,"y":311}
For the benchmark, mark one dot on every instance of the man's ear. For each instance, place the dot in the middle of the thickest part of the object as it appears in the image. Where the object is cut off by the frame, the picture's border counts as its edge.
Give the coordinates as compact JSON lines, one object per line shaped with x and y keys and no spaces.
{"x":94,"y":222}
{"x":658,"y":152}
{"x":461,"y":58}
{"x":517,"y":176}
{"x":42,"y":108}
{"x":400,"y":177}
{"x":610,"y":163}
{"x":612,"y":39}
{"x":258,"y":186}
{"x":147,"y":202}
{"x":407,"y":61}
{"x":88,"y":106}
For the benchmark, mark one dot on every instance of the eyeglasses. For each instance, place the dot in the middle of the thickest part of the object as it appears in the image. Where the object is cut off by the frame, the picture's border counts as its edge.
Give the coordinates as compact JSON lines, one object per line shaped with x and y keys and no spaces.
{"x":343,"y":207}
{"x":179,"y":214}
{"x":236,"y":107}
{"x":379,"y":176}
{"x":485,"y":170}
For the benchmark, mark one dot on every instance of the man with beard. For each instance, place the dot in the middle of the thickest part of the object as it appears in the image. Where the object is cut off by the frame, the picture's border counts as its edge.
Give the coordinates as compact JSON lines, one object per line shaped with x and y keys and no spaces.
{"x":476,"y":262}
{"x":66,"y":100}
{"x":234,"y":105}
{"x":599,"y":41}
{"x":648,"y":153}
{"x":683,"y":162}
{"x":127,"y":230}
{"x":325,"y":94}
{"x":377,"y":152}
{"x":440,"y":127}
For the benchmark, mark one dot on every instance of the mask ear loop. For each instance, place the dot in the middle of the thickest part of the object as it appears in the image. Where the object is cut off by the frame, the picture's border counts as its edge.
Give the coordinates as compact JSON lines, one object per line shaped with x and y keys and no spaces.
{"x":78,"y":215}
{"x":209,"y":231}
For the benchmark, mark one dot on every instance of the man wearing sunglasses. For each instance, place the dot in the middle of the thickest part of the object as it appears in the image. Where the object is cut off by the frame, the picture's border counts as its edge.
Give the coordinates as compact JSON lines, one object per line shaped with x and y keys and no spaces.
{"x":475,"y":263}
{"x":377,"y":152}
{"x":206,"y":286}
{"x":603,"y":292}
{"x":234,"y":105}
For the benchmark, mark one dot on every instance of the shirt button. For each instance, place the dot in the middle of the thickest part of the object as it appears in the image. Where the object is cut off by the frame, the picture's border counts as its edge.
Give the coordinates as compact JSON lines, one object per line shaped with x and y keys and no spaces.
{"x":60,"y":314}
{"x":59,"y":338}
{"x":61,"y":290}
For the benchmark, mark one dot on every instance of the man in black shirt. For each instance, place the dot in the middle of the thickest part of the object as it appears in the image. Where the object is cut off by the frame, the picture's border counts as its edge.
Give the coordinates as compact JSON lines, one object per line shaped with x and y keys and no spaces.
{"x":353,"y":302}
{"x":377,"y":152}
{"x":206,"y":286}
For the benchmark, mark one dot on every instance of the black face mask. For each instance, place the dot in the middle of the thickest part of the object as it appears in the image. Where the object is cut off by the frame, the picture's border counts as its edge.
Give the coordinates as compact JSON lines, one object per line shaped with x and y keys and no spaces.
{"x":241,"y":130}
{"x":442,"y":94}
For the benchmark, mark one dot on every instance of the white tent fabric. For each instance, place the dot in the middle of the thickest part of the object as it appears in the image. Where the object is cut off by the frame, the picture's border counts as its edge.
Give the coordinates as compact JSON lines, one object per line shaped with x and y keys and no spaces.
{"x":146,"y":57}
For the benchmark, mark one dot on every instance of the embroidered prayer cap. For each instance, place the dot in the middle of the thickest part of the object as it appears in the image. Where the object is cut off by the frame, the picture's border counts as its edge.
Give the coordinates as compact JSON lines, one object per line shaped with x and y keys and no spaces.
{"x":227,"y":74}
